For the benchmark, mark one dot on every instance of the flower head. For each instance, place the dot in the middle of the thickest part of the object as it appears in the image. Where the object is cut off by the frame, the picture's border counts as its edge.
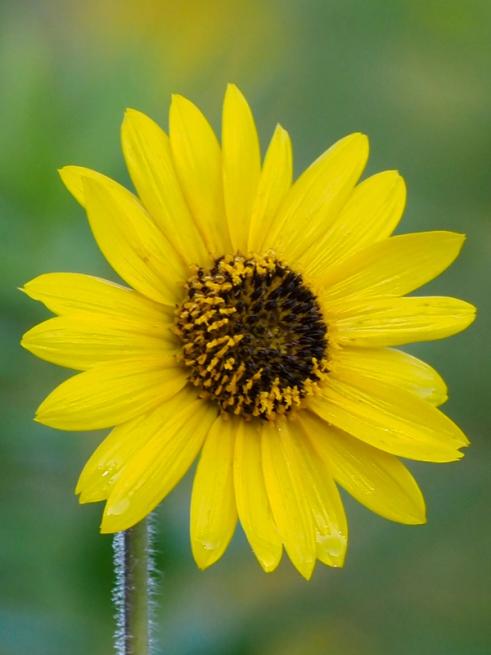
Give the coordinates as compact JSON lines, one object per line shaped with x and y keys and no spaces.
{"x":258,"y":330}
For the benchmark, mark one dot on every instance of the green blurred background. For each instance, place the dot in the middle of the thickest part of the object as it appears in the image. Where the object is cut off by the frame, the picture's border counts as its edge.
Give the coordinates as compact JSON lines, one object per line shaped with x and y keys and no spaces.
{"x":415,"y":77}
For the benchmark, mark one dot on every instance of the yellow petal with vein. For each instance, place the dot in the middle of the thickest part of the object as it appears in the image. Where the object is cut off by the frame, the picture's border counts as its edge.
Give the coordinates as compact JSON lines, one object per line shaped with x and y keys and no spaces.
{"x":241,"y":165}
{"x":108,"y":460}
{"x":395,"y":321}
{"x":389,"y":418}
{"x":252,"y":499}
{"x":391,"y":267}
{"x":393,"y":367}
{"x":376,"y":479}
{"x":131,"y":242}
{"x":331,"y":528}
{"x":274,"y":182}
{"x":289,"y":504}
{"x":316,"y":198}
{"x":370,"y":215}
{"x":82,"y":342}
{"x":179,"y":430}
{"x":213,"y":510}
{"x":111,"y":393}
{"x":198,"y":162}
{"x":149,"y":159}
{"x":75,"y":293}
{"x":73,"y":178}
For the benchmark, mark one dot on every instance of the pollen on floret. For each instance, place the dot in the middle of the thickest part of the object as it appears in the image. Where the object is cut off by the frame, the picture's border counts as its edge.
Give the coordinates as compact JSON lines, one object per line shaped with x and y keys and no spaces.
{"x":253,"y":336}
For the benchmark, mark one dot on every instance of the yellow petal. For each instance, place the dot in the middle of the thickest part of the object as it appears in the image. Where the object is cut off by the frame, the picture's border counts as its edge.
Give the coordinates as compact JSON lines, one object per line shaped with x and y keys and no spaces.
{"x":111,"y":393}
{"x":274,"y":182}
{"x":155,"y":470}
{"x":391,"y":267}
{"x":73,"y":293}
{"x":392,"y":367}
{"x":389,"y":418}
{"x":149,"y":159}
{"x":252,"y":499}
{"x":370,"y":215}
{"x":396,"y":321}
{"x":315,"y":199}
{"x":331,"y":528}
{"x":287,"y":497}
{"x":241,"y":165}
{"x":73,"y":178}
{"x":131,"y":242}
{"x":106,"y":463}
{"x":213,"y":511}
{"x":198,"y":162}
{"x":376,"y":479}
{"x":82,"y":342}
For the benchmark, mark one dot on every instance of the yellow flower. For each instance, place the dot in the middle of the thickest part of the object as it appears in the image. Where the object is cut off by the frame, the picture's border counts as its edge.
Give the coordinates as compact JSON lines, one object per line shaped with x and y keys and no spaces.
{"x":258,"y":329}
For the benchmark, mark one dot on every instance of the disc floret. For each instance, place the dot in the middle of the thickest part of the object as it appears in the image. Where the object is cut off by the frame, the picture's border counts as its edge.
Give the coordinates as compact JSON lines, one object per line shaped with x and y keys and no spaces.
{"x":253,"y":336}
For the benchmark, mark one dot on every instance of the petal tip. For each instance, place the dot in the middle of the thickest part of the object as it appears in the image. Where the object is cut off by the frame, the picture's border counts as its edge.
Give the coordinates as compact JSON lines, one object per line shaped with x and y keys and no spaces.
{"x":280,"y":131}
{"x":180,"y":108}
{"x":29,"y":287}
{"x":394,"y":176}
{"x":178,"y":99}
{"x":232,"y":88}
{"x":270,"y":562}
{"x":306,"y":572}
{"x":37,"y":418}
{"x":82,"y":498}
{"x":65,"y":172}
{"x":72,"y":177}
{"x":24,"y":342}
{"x":361,"y":137}
{"x":203,"y":556}
{"x":90,"y":494}
{"x":111,"y":523}
{"x":356,"y":143}
{"x":132,"y":115}
{"x":45,"y":417}
{"x":305,"y":568}
{"x":106,"y":529}
{"x":269,"y":567}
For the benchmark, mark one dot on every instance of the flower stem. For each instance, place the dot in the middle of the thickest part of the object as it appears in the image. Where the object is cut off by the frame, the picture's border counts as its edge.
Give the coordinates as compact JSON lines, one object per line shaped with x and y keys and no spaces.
{"x":133,"y":589}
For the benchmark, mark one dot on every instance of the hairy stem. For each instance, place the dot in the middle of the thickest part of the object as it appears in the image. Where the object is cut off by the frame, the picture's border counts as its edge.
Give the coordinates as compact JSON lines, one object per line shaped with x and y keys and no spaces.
{"x":133,"y":589}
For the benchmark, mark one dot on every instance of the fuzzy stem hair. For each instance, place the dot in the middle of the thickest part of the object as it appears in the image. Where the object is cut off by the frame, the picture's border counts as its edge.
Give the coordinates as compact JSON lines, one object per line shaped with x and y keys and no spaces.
{"x":134,"y":589}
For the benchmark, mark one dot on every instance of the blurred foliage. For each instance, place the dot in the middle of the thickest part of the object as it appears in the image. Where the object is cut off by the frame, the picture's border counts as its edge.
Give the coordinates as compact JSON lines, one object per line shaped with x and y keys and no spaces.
{"x":413,"y":75}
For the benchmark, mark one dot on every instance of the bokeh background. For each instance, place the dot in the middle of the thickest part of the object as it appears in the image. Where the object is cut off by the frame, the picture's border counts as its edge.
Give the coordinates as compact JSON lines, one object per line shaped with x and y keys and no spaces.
{"x":414,"y":75}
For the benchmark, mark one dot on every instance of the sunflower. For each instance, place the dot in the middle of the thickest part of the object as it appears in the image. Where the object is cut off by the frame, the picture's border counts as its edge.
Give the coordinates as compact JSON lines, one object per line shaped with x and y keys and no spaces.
{"x":257,"y":331}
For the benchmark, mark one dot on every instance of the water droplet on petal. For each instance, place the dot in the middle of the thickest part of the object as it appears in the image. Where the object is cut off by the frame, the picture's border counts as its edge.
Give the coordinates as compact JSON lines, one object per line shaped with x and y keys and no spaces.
{"x":334,"y":543}
{"x":119,"y":507}
{"x":208,"y":545}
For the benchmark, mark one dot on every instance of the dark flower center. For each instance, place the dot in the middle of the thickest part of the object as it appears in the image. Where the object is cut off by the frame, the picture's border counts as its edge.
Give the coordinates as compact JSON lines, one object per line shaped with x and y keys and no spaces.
{"x":253,"y":336}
